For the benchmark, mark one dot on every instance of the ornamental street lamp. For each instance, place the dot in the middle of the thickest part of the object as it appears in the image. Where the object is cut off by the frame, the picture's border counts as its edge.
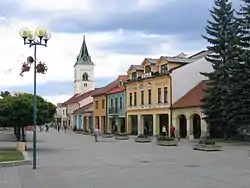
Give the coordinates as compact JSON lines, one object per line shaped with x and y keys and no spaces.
{"x":38,"y":38}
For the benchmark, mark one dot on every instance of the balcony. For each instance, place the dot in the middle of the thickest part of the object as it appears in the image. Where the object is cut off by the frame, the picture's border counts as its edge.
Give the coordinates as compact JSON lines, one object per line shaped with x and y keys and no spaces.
{"x":113,"y":110}
{"x":146,"y":75}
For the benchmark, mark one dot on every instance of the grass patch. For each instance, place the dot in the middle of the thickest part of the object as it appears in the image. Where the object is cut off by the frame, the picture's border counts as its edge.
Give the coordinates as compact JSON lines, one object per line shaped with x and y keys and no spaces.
{"x":10,"y":155}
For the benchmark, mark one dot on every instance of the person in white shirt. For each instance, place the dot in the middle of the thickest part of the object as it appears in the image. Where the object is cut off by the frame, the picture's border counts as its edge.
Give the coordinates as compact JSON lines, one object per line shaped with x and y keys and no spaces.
{"x":164,"y":130}
{"x":96,"y":133}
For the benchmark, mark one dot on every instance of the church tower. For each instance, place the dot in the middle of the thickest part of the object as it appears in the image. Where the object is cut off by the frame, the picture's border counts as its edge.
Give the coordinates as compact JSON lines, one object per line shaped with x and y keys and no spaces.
{"x":83,"y":71}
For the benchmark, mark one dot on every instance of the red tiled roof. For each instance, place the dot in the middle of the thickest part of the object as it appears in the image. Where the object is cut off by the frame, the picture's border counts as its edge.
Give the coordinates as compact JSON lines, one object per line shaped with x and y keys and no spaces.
{"x":69,"y":100}
{"x":84,"y":109}
{"x":117,"y":89}
{"x":193,"y":97}
{"x":110,"y":86}
{"x":78,"y":97}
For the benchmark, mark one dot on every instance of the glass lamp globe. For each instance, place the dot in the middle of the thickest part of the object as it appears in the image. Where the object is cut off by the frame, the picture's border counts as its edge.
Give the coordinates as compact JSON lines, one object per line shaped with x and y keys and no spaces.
{"x":40,"y":31}
{"x":47,"y":36}
{"x":24,"y":32}
{"x":31,"y":36}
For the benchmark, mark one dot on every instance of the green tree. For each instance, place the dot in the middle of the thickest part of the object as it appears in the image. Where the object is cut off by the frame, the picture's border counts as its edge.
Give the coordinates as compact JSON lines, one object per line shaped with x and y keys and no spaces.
{"x":4,"y":93}
{"x":241,"y":76}
{"x":222,"y":31}
{"x":17,"y":111}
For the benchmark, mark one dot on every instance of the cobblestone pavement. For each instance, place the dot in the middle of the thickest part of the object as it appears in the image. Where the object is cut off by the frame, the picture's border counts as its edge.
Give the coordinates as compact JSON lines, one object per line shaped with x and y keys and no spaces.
{"x":69,"y":160}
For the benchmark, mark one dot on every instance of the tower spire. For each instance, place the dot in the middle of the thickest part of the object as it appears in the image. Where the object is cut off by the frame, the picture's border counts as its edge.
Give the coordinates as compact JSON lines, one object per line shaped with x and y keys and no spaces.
{"x":84,"y":57}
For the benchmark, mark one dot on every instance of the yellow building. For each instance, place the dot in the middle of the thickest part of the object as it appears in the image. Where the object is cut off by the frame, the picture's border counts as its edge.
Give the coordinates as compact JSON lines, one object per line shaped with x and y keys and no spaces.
{"x":148,"y":93}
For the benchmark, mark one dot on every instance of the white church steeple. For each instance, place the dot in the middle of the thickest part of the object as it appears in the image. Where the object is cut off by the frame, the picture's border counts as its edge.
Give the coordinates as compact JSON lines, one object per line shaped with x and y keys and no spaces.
{"x":83,"y":71}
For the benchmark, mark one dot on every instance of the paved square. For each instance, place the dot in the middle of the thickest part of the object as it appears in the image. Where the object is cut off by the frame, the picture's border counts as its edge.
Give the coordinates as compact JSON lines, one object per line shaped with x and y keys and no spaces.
{"x":69,"y":160}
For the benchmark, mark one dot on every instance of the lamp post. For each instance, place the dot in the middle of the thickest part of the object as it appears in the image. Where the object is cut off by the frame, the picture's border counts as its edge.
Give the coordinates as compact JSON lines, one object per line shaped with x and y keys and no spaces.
{"x":38,"y":38}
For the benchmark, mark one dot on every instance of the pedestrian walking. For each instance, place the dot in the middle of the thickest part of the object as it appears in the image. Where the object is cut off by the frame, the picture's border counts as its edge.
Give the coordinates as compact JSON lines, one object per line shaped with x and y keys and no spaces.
{"x":58,"y":128}
{"x":96,"y":133}
{"x":172,"y":131}
{"x":164,"y":130}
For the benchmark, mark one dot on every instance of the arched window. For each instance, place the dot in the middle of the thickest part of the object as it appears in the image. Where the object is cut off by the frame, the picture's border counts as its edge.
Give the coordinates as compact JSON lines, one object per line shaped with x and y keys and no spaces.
{"x":85,"y":76}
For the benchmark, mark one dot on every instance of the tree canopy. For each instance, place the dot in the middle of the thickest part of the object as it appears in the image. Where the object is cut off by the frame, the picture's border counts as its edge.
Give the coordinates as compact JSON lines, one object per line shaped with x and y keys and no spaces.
{"x":17,"y":110}
{"x":226,"y":102}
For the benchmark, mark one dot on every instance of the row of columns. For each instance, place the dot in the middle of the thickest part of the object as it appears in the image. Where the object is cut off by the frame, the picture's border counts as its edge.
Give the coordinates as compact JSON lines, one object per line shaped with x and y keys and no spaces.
{"x":80,"y":123}
{"x":141,"y":123}
{"x":117,"y":122}
{"x":190,"y":129}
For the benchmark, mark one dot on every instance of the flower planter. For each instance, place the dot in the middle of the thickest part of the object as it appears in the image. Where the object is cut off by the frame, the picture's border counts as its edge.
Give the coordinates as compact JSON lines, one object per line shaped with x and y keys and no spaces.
{"x":41,"y":68}
{"x":204,"y":147}
{"x":166,"y":141}
{"x":207,"y":145}
{"x":121,"y":137}
{"x":143,"y":139}
{"x":107,"y":135}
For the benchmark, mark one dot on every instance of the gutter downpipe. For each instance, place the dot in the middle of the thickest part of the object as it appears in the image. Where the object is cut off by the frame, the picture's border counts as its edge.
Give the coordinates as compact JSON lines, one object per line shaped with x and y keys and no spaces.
{"x":107,"y":118}
{"x":171,"y":101}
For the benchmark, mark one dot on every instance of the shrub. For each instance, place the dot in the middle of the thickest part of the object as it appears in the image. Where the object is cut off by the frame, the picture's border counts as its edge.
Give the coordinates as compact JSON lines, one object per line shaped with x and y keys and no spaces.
{"x":207,"y":142}
{"x":165,"y":138}
{"x":142,"y":136}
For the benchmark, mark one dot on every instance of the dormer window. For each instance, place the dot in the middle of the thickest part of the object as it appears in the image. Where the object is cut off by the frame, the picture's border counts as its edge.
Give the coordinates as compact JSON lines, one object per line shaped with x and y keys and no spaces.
{"x":120,"y":83}
{"x":147,"y":69}
{"x":164,"y":68}
{"x":134,"y":76}
{"x":85,"y":76}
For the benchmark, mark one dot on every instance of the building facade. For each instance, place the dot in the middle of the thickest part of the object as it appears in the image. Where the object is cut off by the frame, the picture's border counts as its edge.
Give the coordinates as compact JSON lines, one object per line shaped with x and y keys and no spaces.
{"x":100,"y":105}
{"x":187,"y":113}
{"x":149,"y":94}
{"x":83,"y":118}
{"x":116,"y":108}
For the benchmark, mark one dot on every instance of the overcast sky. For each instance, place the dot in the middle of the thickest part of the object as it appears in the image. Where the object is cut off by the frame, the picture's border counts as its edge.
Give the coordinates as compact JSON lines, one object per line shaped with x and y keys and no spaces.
{"x":118,"y":33}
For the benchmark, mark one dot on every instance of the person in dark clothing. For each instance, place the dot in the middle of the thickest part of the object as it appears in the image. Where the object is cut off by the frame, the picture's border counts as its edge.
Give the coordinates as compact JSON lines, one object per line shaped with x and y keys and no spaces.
{"x":58,"y":128}
{"x":172,"y":131}
{"x":145,"y":130}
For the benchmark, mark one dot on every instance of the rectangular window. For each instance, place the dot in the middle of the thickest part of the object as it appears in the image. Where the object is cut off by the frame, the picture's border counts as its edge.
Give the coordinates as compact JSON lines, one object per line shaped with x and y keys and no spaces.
{"x":116,"y":103}
{"x":164,"y":68}
{"x":135,"y":99}
{"x":147,"y":69}
{"x":142,"y":97}
{"x":149,"y":96}
{"x":103,"y":103}
{"x":121,"y":103}
{"x":165,"y":95}
{"x":111,"y":103}
{"x":159,"y":95}
{"x":130,"y":99}
{"x":96,"y":104}
{"x":134,"y":76}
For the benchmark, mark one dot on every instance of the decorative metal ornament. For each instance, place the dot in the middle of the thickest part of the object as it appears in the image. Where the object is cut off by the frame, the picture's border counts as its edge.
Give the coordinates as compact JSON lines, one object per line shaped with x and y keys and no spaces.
{"x":30,"y":60}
